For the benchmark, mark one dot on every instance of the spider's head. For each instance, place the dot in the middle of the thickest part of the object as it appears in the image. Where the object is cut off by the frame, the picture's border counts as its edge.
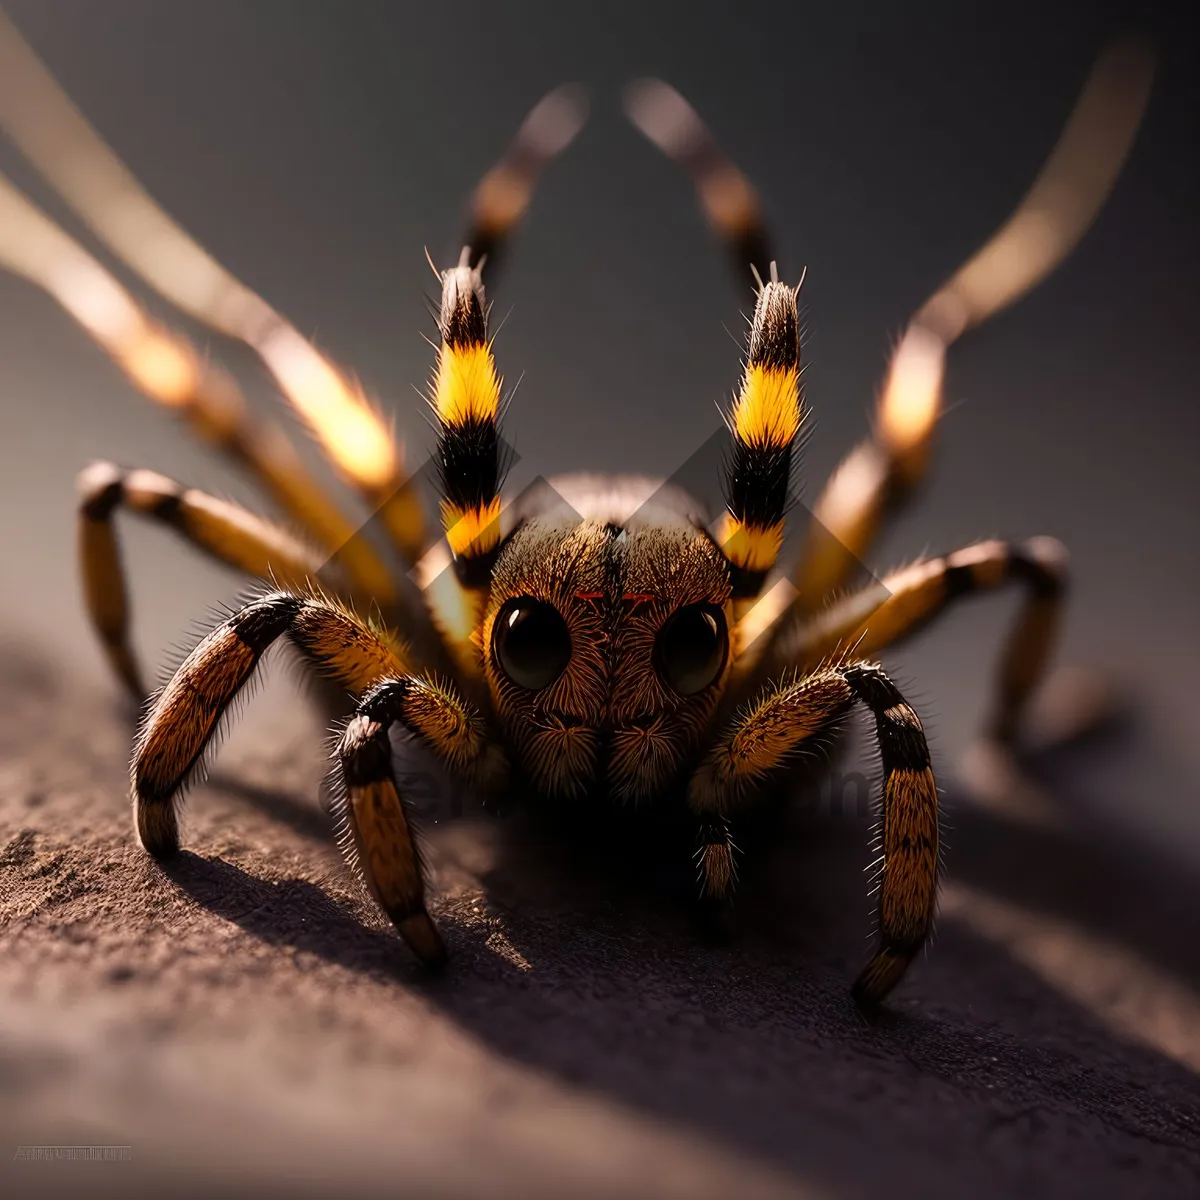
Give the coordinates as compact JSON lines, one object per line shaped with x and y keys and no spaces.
{"x":606,"y":649}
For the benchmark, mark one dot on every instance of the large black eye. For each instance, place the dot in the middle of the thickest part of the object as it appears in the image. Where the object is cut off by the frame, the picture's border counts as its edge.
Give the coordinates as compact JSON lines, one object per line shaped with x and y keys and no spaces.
{"x":531,"y":642}
{"x":691,"y":648}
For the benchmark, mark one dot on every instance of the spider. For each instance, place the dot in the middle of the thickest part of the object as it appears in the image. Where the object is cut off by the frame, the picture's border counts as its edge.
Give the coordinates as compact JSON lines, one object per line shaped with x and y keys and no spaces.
{"x":596,"y":635}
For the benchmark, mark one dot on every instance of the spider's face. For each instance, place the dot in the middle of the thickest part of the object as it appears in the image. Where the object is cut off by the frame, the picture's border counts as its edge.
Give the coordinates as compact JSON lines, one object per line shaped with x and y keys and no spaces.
{"x":606,"y":649}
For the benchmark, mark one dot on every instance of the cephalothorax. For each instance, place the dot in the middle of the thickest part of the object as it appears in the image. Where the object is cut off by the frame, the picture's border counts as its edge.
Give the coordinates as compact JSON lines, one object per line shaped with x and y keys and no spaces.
{"x":597,"y":635}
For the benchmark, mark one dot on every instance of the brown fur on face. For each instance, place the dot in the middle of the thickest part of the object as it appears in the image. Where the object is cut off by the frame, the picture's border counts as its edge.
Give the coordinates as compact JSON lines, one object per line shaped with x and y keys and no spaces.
{"x":609,"y":719}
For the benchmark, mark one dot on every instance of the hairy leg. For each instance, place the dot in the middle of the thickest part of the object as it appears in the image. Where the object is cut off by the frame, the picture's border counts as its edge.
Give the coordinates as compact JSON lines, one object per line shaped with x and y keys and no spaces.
{"x":778,"y":728}
{"x":376,"y":832}
{"x":229,"y":533}
{"x":907,"y":600}
{"x":185,"y":715}
{"x":466,"y":389}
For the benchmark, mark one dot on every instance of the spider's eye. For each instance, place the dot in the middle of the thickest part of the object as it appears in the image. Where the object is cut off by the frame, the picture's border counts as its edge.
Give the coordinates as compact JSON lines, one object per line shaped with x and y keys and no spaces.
{"x":531,"y":643}
{"x":691,"y":648}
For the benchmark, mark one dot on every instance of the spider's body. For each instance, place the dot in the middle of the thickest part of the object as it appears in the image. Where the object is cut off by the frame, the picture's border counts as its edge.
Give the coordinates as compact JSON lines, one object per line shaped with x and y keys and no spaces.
{"x":617,"y":566}
{"x":603,"y":638}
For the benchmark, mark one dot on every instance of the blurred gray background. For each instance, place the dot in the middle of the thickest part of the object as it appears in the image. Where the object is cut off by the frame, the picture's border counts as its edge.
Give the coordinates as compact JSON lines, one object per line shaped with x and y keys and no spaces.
{"x":317,"y":148}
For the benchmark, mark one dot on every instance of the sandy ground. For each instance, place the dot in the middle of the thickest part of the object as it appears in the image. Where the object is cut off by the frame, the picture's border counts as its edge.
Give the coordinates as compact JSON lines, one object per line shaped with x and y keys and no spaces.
{"x":246,"y":1020}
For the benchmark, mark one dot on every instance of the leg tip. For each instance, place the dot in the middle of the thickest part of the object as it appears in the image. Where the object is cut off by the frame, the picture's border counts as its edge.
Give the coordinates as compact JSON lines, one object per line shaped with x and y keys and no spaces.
{"x":865,"y":996}
{"x":877,"y":979}
{"x":157,"y":828}
{"x":423,"y":939}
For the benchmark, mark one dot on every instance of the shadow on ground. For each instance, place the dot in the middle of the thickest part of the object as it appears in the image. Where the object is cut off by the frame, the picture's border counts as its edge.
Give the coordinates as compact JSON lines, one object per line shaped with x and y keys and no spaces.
{"x":1049,"y":1043}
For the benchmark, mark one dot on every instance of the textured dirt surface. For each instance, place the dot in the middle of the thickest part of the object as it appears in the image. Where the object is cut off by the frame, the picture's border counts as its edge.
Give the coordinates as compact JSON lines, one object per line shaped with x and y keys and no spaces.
{"x":246,"y":1020}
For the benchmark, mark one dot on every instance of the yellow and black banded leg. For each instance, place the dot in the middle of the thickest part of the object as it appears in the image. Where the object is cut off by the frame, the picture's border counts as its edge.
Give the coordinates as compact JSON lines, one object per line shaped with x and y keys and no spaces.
{"x":471,"y":460}
{"x":875,"y":476}
{"x":765,"y":422}
{"x":767,"y":415}
{"x":466,"y":391}
{"x":227,"y":532}
{"x":185,"y":715}
{"x":778,"y":728}
{"x":907,"y":600}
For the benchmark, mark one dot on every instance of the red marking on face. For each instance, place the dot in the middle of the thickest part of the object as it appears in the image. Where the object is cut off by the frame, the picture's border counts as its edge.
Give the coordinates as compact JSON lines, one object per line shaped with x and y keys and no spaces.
{"x":589,"y":595}
{"x":638,"y":597}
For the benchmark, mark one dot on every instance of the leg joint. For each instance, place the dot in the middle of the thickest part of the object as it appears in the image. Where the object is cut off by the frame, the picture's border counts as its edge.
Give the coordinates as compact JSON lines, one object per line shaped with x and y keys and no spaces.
{"x":898,"y":728}
{"x":101,"y":488}
{"x":1041,"y":564}
{"x":365,"y":752}
{"x":871,"y":686}
{"x":260,"y":623}
{"x":383,"y":703}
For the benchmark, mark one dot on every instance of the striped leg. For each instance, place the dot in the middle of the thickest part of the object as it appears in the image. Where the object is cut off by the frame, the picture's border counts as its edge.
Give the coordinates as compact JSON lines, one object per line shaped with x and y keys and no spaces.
{"x":778,"y":729}
{"x":465,"y":390}
{"x":471,"y":462}
{"x":185,"y":715}
{"x":765,"y":422}
{"x":880,"y":473}
{"x":909,"y":599}
{"x":229,"y":533}
{"x":768,"y":412}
